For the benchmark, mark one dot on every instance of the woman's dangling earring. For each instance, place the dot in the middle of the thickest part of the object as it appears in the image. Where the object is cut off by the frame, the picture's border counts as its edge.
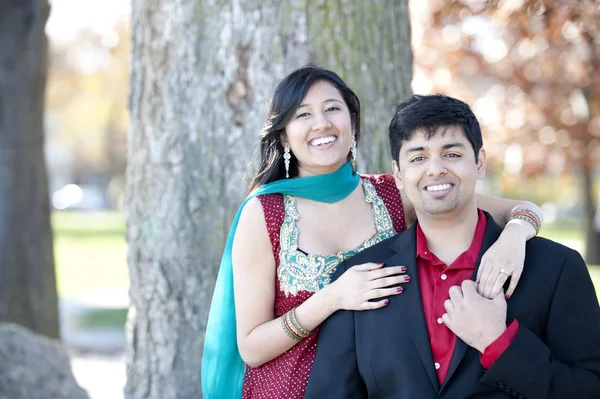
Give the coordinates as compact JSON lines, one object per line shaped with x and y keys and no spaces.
{"x":286,"y":160}
{"x":353,"y":150}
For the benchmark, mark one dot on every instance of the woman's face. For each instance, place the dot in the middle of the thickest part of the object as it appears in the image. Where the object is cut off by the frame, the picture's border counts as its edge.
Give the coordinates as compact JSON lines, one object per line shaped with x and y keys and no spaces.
{"x":320,"y":131}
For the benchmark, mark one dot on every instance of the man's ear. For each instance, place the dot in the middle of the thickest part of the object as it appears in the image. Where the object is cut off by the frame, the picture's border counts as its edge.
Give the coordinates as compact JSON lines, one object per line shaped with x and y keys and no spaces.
{"x":481,"y":163}
{"x":397,"y":176}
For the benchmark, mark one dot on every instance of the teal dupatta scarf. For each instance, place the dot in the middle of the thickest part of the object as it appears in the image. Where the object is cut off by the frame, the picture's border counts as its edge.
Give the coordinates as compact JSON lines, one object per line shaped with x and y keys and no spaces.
{"x":222,"y":367}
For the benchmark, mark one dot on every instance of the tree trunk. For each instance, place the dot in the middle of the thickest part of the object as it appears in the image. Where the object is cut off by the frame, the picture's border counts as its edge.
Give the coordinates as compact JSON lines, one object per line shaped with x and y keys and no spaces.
{"x":202,"y":73}
{"x":592,"y":98}
{"x":592,"y":236}
{"x":27,"y":280}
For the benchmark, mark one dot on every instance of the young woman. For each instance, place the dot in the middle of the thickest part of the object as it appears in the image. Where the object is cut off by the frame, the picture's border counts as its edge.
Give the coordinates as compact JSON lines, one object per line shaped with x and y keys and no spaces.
{"x":307,"y":212}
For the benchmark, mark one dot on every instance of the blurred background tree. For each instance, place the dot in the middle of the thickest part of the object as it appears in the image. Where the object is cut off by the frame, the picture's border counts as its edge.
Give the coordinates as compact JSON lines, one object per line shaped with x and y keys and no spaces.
{"x":202,"y":75}
{"x":87,"y":106}
{"x":531,"y":71}
{"x":27,"y":280}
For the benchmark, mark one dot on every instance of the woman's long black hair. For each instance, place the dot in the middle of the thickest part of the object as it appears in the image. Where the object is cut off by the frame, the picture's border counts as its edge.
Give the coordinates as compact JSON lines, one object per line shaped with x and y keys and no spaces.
{"x":286,"y":100}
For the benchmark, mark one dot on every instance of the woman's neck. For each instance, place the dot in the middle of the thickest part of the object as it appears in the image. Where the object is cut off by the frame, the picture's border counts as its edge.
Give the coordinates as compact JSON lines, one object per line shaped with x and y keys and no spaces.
{"x":304,"y":170}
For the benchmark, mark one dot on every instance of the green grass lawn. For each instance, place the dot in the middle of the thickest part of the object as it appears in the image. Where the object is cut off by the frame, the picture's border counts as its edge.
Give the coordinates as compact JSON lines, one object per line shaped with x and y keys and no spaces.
{"x":90,"y":252}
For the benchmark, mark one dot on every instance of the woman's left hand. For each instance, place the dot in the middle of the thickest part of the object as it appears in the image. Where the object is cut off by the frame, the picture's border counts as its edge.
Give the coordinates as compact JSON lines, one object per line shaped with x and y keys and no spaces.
{"x":502,"y":260}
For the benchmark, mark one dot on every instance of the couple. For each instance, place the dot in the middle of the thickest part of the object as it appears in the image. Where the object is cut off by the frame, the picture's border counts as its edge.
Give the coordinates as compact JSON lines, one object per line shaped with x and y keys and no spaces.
{"x":306,"y":200}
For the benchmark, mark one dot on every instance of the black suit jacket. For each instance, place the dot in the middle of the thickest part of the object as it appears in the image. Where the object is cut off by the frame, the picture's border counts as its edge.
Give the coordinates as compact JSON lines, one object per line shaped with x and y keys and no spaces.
{"x":385,"y":353}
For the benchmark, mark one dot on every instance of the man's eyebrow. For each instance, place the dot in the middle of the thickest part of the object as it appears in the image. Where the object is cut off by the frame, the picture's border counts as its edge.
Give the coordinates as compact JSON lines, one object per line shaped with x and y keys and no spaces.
{"x":415,"y":149}
{"x":326,"y":101}
{"x":452,"y":145}
{"x":444,"y":147}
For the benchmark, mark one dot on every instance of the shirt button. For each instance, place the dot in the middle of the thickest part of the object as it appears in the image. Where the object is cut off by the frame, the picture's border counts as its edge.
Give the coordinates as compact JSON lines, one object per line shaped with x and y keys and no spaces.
{"x":437,"y":366}
{"x":444,"y":277}
{"x":439,"y":320}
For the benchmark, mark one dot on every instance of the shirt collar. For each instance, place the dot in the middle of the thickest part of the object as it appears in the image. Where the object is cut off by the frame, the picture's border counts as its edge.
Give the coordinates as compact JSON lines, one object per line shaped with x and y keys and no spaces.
{"x":470,"y":255}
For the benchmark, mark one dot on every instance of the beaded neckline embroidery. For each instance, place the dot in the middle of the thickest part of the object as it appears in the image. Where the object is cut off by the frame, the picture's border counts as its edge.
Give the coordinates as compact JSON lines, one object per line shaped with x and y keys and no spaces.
{"x":301,"y":272}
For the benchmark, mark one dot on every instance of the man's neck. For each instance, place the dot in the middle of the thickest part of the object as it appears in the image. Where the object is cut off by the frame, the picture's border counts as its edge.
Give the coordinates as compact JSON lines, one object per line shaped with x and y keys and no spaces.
{"x":449,"y":235}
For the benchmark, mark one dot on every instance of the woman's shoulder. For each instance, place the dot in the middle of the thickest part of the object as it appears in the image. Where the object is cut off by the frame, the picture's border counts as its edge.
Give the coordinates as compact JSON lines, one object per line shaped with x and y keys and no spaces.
{"x":271,"y":205}
{"x":382,"y":182}
{"x":264,"y":209}
{"x":252,"y":213}
{"x":257,"y":207}
{"x":380,"y":179}
{"x":386,"y":189}
{"x":269,"y":199}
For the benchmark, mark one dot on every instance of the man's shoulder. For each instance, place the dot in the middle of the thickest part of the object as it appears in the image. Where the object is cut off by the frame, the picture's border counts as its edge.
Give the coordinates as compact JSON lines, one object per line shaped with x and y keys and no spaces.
{"x":551,"y":253}
{"x":541,"y":243}
{"x":376,"y":253}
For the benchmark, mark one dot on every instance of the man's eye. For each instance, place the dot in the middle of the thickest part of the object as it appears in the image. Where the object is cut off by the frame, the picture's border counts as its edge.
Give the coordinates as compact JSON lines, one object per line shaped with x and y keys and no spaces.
{"x":417,"y":159}
{"x":453,"y":155}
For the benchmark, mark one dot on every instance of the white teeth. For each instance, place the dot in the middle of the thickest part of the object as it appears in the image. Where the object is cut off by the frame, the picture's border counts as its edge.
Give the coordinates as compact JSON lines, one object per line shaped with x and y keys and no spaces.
{"x":323,"y":140}
{"x":439,"y":187}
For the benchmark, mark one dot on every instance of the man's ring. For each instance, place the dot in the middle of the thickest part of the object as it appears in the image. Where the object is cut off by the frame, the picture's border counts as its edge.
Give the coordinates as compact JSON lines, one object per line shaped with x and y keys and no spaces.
{"x":505,"y":272}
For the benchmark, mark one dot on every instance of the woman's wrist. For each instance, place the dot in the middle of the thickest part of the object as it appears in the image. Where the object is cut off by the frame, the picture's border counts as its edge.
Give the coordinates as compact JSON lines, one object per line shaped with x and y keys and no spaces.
{"x":524,"y":215}
{"x":520,"y":229}
{"x":316,"y":309}
{"x":329,"y":298}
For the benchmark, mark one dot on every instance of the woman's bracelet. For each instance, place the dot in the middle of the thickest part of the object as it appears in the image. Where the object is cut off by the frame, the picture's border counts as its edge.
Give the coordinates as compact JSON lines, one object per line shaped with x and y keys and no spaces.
{"x":528,"y":216}
{"x":292,"y":328}
{"x":297,"y":325}
{"x":287,"y":330}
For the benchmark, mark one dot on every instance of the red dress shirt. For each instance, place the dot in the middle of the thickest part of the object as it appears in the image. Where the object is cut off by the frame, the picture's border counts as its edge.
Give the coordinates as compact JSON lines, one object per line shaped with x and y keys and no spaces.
{"x":435,"y":279}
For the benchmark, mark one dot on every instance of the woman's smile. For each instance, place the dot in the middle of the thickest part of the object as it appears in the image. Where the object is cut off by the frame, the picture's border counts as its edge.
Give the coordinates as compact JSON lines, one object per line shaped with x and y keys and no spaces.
{"x":323,"y":143}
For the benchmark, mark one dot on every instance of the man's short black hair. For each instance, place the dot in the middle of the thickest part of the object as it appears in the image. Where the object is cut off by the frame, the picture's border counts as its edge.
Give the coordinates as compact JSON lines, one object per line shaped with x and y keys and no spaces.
{"x":431,"y":112}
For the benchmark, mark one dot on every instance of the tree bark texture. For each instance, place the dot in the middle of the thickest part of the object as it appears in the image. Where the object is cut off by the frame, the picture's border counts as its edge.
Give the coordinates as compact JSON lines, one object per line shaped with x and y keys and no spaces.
{"x":202,"y":74}
{"x":27,"y":279}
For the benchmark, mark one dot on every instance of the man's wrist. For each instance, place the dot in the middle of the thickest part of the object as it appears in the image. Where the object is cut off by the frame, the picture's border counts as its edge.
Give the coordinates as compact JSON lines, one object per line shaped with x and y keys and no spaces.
{"x":489,"y":339}
{"x":494,"y":350}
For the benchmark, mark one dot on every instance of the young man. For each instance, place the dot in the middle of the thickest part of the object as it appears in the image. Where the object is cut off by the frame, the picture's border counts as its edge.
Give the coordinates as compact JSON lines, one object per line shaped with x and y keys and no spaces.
{"x":440,"y":338}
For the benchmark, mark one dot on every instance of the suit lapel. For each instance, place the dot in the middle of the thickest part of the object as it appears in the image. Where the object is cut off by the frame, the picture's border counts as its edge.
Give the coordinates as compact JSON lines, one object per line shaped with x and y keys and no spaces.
{"x":410,"y":303}
{"x":492,"y":232}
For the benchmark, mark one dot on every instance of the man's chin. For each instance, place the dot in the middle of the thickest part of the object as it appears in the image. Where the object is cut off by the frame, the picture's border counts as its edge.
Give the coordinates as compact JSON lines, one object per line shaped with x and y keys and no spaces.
{"x":440,"y":209}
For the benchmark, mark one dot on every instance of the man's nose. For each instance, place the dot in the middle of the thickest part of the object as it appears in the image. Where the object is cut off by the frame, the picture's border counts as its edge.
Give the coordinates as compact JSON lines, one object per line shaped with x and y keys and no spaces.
{"x":436,"y":166}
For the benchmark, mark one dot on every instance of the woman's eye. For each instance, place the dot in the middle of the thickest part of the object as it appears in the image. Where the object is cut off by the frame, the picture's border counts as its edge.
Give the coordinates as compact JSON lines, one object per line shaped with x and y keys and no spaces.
{"x":333,"y":109}
{"x":302,"y":115}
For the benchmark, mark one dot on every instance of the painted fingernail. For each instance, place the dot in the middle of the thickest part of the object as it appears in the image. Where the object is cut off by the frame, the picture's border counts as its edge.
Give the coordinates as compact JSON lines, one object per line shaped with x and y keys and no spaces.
{"x":399,"y":289}
{"x":506,"y":297}
{"x":380,"y":264}
{"x":403,"y":269}
{"x":386,"y":301}
{"x":407,"y":278}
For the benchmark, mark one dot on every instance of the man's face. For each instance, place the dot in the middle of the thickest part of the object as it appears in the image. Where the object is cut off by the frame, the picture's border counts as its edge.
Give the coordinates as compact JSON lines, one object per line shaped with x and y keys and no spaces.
{"x":439,"y":175}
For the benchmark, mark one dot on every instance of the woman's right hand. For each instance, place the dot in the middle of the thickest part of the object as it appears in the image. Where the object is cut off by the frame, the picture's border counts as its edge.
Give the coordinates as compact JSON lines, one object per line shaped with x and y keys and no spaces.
{"x":361,"y":283}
